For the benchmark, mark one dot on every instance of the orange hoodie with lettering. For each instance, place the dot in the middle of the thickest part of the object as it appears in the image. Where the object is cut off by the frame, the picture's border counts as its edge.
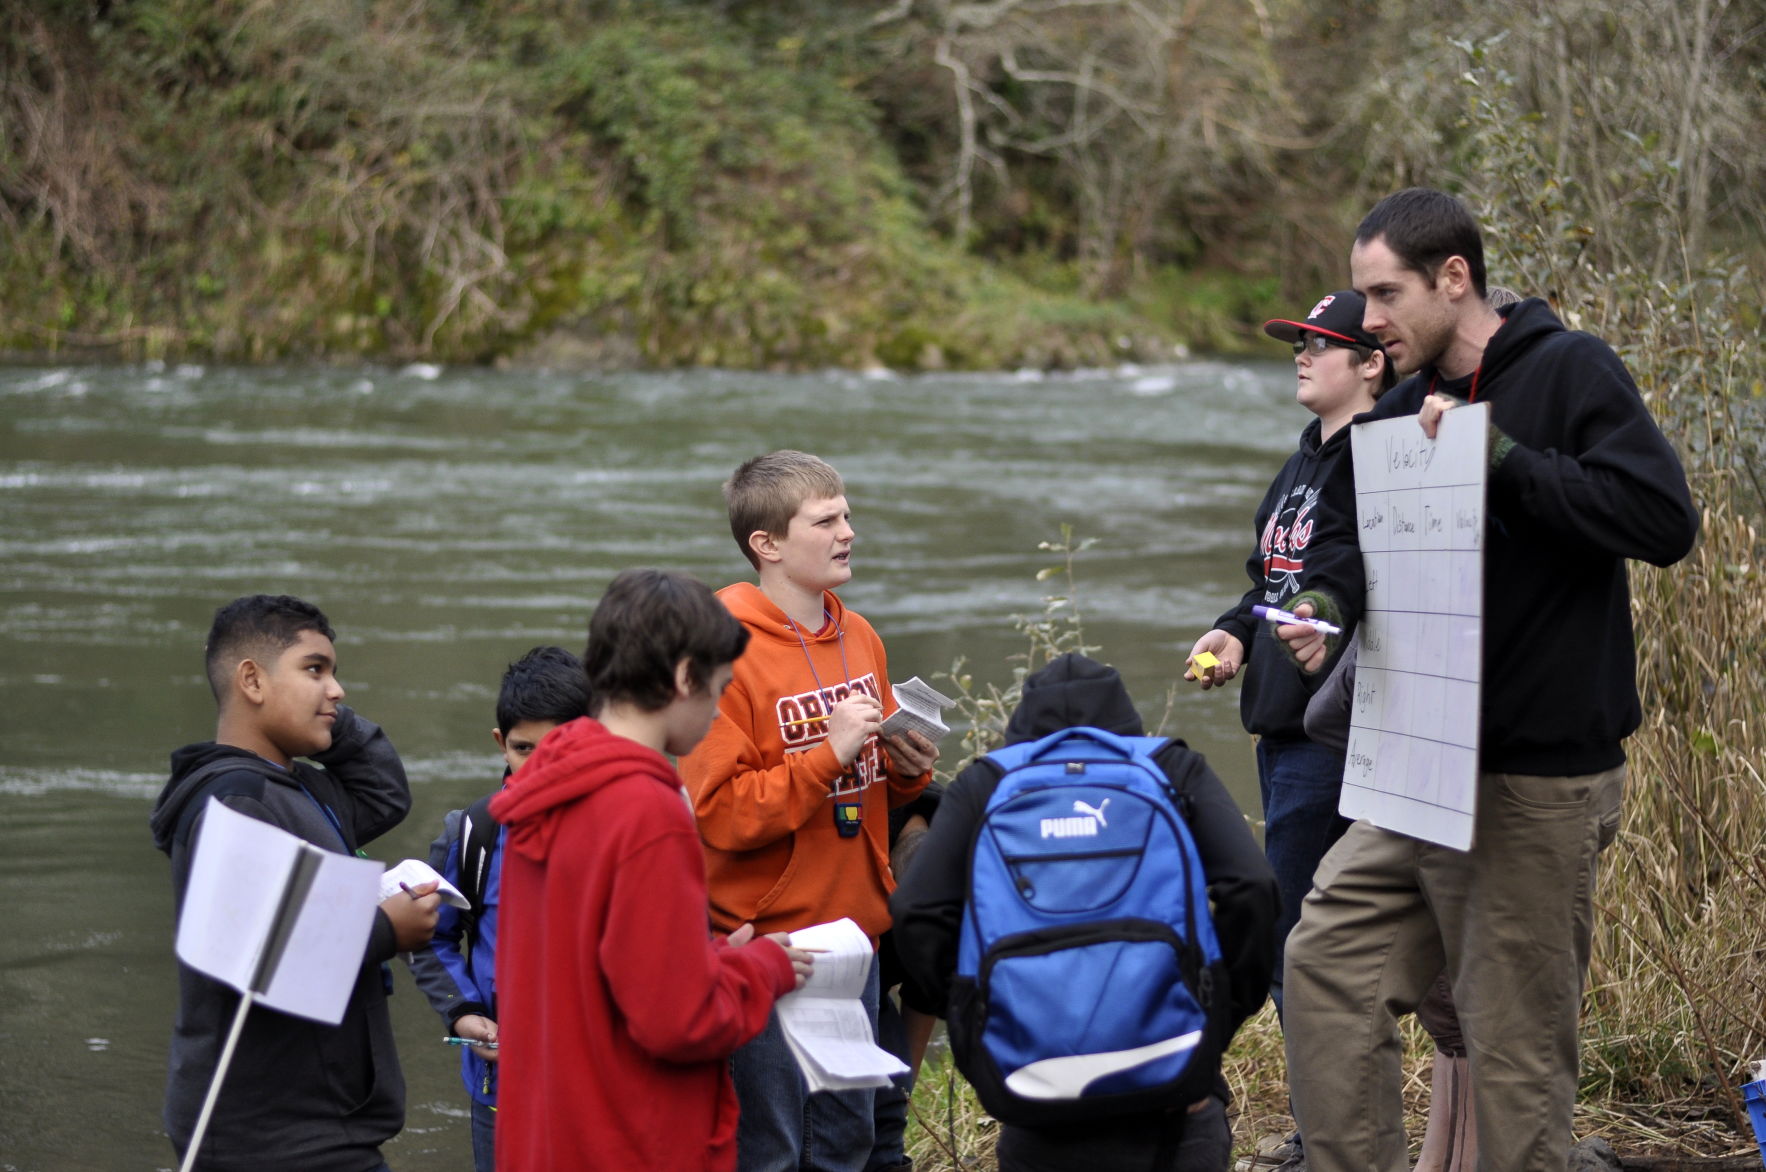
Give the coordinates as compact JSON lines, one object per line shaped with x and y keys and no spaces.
{"x":764,"y":788}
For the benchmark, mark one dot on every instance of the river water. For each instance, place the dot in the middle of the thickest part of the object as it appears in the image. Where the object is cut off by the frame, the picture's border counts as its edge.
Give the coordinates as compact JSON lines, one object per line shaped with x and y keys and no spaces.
{"x":447,"y":520}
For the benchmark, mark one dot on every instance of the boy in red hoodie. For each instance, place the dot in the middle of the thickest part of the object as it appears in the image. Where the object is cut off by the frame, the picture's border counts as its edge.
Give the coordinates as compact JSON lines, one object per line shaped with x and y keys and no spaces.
{"x":619,"y":1010}
{"x":793,"y":785}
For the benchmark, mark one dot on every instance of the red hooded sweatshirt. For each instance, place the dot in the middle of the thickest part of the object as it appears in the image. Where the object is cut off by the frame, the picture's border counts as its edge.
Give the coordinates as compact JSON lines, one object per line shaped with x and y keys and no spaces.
{"x":618,"y":1011}
{"x":763,"y":778}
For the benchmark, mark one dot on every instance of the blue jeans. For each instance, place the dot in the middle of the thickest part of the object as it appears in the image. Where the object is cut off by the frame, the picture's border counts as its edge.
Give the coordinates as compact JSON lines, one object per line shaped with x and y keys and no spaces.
{"x":1300,"y":782}
{"x":484,"y":1135}
{"x":891,"y":1111}
{"x":784,"y":1128}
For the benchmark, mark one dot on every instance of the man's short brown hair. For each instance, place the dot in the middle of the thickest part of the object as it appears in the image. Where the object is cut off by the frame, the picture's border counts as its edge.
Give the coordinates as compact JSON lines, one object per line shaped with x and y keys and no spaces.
{"x":766,"y":492}
{"x":1425,"y":229}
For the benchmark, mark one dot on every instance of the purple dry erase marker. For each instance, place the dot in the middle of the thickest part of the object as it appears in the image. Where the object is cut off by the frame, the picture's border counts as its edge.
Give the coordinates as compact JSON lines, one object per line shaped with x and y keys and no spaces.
{"x":1277,"y":615}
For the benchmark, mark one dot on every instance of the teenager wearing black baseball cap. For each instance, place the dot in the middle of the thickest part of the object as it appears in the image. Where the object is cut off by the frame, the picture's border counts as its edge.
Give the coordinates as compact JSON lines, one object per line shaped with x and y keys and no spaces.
{"x":1340,"y":370}
{"x":1336,"y":317}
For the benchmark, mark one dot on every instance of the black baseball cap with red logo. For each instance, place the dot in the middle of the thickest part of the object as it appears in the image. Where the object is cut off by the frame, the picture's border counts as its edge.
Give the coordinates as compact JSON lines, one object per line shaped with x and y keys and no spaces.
{"x":1337,"y":316}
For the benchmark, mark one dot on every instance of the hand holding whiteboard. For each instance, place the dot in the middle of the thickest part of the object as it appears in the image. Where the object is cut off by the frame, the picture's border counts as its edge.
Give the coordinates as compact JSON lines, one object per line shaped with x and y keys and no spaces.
{"x":1412,"y":758}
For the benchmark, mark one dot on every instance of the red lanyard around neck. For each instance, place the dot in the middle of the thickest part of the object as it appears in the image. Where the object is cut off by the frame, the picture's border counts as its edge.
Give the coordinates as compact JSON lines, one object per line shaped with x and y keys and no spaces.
{"x":1472,"y":396}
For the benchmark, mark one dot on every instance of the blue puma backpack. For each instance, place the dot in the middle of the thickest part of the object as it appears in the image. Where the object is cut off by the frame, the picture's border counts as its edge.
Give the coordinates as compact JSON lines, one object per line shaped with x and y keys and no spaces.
{"x":1088,"y":971}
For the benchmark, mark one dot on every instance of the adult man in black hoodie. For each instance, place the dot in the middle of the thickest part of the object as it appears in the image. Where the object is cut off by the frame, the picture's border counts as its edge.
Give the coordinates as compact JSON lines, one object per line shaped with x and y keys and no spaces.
{"x":1580,"y":480}
{"x":299,"y":1095}
{"x":928,"y":906}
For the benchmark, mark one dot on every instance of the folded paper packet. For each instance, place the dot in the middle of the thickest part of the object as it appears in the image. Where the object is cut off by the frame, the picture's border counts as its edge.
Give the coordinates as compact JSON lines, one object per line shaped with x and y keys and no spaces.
{"x":412,"y":872}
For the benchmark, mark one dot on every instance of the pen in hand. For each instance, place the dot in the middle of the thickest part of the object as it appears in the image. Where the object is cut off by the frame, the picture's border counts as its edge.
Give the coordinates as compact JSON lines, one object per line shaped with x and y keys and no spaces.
{"x":453,"y":1041}
{"x":1277,"y":615}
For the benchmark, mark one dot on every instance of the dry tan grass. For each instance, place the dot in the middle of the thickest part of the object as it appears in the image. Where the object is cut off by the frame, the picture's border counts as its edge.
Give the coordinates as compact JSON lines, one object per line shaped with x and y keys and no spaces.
{"x":1677,"y":992}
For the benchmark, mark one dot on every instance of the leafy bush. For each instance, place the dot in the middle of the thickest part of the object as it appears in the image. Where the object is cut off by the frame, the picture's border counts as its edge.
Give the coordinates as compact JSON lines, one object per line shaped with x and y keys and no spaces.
{"x":353,"y":177}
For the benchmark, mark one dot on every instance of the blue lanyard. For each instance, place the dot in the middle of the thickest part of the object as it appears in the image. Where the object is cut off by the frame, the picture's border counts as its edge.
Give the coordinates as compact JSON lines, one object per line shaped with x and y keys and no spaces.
{"x":330,"y":816}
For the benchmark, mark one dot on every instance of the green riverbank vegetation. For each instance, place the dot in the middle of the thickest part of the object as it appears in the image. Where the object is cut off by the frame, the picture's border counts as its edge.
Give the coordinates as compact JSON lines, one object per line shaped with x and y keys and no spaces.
{"x":779,"y":184}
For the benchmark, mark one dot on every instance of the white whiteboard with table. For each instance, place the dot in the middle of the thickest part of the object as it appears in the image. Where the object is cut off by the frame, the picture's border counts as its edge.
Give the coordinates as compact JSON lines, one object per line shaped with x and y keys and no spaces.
{"x":1412,"y":762}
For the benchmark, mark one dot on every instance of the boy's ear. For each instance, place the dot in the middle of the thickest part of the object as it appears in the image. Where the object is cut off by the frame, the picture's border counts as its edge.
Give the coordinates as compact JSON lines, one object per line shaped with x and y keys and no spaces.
{"x":684,"y":679}
{"x":764,"y":545}
{"x":497,"y":736}
{"x":249,"y":680}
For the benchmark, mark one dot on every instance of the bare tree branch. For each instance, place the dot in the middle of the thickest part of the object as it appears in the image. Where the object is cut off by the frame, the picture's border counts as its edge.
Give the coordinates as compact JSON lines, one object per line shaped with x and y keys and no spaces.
{"x":899,"y":11}
{"x":960,"y":86}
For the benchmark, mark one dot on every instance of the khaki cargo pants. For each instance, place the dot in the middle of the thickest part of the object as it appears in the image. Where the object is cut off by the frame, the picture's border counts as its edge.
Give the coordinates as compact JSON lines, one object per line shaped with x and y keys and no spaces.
{"x":1510,"y":920}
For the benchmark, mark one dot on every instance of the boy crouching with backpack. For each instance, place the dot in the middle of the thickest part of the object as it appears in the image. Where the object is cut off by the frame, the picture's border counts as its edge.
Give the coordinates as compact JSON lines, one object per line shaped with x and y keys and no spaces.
{"x":1095,"y":1042}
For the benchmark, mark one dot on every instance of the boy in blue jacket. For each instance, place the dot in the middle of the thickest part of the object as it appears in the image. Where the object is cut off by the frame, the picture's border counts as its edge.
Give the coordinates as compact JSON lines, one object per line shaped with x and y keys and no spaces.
{"x":540,"y":691}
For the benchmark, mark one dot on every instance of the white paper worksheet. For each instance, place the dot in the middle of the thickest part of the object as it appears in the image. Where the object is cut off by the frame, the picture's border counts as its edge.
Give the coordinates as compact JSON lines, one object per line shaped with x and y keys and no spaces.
{"x":1413,"y":742}
{"x":241,"y":900}
{"x":825,"y":1023}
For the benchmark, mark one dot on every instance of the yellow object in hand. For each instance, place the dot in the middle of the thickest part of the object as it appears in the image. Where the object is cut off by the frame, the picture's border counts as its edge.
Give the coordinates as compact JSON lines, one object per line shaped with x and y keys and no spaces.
{"x":1202,"y":661}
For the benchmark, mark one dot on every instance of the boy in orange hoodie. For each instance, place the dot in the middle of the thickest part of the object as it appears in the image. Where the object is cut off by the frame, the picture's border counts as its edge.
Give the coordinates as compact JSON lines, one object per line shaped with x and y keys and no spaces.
{"x":619,"y":1011}
{"x":793,"y":785}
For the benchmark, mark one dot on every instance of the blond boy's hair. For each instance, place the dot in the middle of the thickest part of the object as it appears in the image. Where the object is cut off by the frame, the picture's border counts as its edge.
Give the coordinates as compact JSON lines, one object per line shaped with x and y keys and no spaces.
{"x":766,"y":492}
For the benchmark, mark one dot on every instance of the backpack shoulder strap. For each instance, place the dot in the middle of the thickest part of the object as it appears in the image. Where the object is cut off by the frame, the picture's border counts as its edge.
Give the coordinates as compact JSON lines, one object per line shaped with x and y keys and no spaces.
{"x":1008,"y":757}
{"x":1146,"y":748}
{"x":478,"y":838}
{"x":1178,"y":770}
